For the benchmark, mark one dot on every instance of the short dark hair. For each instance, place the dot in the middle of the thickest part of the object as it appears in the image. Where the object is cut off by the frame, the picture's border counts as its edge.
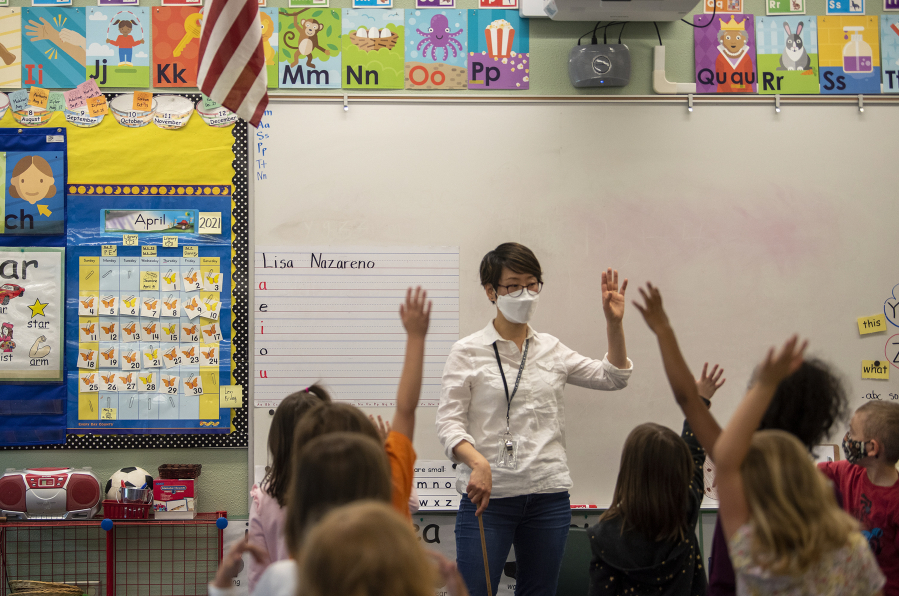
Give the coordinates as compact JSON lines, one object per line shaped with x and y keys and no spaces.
{"x":882,"y":423}
{"x":281,"y":438}
{"x":807,"y":403}
{"x":330,"y":471}
{"x":513,"y":256}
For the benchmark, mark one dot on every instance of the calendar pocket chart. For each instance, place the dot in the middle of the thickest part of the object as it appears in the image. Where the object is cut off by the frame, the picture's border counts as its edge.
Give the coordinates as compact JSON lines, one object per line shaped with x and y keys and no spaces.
{"x":153,"y":322}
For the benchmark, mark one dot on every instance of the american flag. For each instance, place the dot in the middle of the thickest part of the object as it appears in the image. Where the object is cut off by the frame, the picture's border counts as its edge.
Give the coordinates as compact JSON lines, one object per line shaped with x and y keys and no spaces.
{"x":232,"y":63}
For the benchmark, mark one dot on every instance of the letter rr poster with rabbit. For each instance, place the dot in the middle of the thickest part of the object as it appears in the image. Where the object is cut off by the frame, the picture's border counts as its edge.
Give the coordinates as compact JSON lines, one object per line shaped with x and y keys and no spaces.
{"x":787,"y":51}
{"x":31,"y":314}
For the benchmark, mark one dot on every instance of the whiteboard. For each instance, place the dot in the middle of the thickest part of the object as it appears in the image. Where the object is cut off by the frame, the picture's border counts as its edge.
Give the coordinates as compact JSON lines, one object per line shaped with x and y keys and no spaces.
{"x":754,"y":224}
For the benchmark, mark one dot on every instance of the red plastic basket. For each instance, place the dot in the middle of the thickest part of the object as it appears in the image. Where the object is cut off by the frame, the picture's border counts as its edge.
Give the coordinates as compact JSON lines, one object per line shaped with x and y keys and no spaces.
{"x":116,"y":510}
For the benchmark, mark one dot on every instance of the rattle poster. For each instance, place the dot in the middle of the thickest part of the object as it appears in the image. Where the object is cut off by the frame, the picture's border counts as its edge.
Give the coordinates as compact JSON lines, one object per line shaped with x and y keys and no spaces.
{"x":499,"y":50}
{"x":787,"y":50}
{"x":437,"y":49}
{"x":725,"y":54}
{"x":118,"y":46}
{"x":31,"y":314}
{"x":176,"y":45}
{"x":309,"y":48}
{"x":373,"y":48}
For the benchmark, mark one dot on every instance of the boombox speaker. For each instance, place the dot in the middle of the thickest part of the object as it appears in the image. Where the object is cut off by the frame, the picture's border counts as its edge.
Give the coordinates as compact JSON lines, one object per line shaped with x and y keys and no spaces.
{"x":599,"y":65}
{"x":49,"y":493}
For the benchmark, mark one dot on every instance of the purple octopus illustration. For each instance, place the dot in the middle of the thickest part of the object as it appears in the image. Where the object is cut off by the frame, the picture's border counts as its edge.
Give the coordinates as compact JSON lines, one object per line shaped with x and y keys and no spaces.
{"x":438,"y":36}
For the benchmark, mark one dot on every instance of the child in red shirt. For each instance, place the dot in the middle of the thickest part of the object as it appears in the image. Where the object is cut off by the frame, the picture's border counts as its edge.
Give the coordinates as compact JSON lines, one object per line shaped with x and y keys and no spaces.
{"x":869,"y":482}
{"x":125,"y":42}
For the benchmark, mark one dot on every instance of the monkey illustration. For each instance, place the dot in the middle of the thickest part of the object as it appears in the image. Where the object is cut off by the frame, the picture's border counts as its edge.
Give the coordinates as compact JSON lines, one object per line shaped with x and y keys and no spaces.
{"x":306,"y":41}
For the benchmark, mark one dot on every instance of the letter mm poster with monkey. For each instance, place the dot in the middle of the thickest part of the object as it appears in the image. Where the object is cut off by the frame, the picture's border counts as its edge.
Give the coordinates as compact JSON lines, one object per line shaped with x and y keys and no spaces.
{"x":149,"y":308}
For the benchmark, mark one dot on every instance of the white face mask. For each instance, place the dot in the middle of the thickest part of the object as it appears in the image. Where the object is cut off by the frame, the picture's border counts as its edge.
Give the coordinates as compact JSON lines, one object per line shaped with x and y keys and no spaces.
{"x":517,"y":310}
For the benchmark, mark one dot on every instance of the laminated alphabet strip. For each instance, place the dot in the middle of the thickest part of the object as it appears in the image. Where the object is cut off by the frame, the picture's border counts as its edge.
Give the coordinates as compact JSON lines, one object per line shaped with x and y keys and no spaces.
{"x":330,"y":314}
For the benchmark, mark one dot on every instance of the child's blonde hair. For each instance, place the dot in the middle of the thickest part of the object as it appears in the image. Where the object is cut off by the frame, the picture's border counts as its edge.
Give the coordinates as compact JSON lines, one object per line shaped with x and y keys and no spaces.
{"x":794,"y":513}
{"x":364,"y":549}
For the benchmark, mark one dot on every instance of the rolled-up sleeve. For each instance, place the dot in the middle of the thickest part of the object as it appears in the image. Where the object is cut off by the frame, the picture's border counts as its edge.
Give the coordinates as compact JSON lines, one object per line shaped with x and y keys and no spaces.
{"x":594,"y":374}
{"x":455,"y":398}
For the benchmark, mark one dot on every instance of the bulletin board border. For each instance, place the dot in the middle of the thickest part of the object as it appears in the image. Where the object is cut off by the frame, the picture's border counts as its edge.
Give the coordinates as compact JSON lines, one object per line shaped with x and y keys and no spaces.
{"x":238,"y":437}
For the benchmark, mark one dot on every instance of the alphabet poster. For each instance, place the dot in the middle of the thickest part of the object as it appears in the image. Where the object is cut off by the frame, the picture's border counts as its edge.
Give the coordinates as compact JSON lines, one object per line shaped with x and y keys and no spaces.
{"x":437,"y":49}
{"x":268,"y":20}
{"x":309,"y":45}
{"x":373,"y":45}
{"x":176,"y":45}
{"x":499,"y":50}
{"x":34,"y":192}
{"x":889,"y":36}
{"x":31,"y":314}
{"x":53,"y":47}
{"x":787,"y":51}
{"x":10,"y":48}
{"x":118,"y":46}
{"x":725,"y":54}
{"x":849,"y":50}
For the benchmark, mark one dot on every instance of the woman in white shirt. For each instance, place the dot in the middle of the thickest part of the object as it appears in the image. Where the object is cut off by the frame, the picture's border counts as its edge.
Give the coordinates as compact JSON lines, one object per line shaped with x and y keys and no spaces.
{"x":505,"y":427}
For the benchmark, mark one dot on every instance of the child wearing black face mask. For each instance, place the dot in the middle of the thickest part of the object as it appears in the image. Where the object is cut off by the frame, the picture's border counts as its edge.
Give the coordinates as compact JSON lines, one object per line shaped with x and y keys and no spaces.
{"x":869,"y":482}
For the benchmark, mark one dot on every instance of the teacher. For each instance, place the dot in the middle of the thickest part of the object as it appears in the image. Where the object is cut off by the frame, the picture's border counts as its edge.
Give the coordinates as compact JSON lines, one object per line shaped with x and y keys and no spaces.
{"x":502,"y":419}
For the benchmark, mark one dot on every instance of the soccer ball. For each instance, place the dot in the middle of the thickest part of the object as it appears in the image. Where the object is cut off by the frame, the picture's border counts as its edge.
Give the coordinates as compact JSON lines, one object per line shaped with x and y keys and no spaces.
{"x":133,"y":478}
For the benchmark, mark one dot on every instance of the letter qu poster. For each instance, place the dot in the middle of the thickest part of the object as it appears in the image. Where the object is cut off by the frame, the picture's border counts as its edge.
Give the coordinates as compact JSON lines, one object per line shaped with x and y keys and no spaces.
{"x":725,"y":53}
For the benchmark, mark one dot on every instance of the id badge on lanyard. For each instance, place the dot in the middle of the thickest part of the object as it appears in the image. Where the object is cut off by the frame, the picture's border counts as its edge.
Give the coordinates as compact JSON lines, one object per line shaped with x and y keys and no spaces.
{"x":507,"y":457}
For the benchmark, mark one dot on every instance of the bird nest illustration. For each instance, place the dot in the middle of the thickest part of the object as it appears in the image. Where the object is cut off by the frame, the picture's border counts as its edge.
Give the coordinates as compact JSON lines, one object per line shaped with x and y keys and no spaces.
{"x":368,"y":44}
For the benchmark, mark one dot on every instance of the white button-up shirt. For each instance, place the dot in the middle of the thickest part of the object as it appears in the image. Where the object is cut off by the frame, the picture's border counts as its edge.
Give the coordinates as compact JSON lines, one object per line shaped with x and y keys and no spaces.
{"x":473,"y":406}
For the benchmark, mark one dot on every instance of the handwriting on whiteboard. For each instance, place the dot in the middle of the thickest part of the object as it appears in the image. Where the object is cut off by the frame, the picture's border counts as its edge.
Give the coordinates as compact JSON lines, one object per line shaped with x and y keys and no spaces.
{"x":330,"y":314}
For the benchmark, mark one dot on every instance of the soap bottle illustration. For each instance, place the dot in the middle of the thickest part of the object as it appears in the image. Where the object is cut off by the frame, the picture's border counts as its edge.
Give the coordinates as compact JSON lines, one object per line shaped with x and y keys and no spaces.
{"x":857,"y":55}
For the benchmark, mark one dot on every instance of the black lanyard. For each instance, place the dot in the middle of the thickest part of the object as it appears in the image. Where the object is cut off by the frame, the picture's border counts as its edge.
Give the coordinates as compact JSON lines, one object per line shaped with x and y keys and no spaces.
{"x":524,"y":358}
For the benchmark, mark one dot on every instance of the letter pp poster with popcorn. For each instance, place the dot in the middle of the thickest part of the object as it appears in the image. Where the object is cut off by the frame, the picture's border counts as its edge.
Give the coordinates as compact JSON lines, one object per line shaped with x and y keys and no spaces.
{"x":148,"y":326}
{"x":499,"y":46}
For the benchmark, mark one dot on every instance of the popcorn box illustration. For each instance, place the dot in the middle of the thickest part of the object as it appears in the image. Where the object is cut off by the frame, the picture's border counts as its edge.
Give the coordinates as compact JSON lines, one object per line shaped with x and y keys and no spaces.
{"x":500,"y":34}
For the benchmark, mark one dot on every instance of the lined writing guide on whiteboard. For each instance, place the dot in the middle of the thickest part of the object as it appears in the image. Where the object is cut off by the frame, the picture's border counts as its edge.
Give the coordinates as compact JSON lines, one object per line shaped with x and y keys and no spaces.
{"x":330,"y":314}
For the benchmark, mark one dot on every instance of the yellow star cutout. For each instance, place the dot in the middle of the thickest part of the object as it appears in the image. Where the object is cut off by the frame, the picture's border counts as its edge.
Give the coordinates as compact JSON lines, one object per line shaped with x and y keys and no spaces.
{"x":38,"y":308}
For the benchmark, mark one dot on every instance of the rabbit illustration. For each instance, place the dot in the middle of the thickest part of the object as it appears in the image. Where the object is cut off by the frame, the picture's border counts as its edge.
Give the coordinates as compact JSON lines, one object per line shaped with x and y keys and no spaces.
{"x":794,"y":57}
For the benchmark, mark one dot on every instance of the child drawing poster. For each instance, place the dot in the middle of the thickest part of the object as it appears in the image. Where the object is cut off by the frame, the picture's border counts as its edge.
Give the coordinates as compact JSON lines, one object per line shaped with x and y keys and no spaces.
{"x":889,"y":49}
{"x":34,"y":202}
{"x":498,"y":50}
{"x":176,"y":45}
{"x":373,"y":44}
{"x":268,"y":21}
{"x":787,"y":53}
{"x":10,"y":48}
{"x":53,"y":47}
{"x":849,"y":52}
{"x":309,"y":45}
{"x":436,"y":49}
{"x":118,"y":46}
{"x":724,"y":53}
{"x":31,"y":314}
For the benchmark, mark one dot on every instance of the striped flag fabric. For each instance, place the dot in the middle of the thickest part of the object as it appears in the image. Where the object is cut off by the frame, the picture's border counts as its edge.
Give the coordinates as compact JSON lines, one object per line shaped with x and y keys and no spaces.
{"x":232,"y":63}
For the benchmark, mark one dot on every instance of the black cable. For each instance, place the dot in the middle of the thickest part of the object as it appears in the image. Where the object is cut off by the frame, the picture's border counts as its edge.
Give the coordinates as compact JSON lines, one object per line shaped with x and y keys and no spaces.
{"x":711,"y":20}
{"x":657,"y":33}
{"x":588,"y":32}
{"x":623,"y":25}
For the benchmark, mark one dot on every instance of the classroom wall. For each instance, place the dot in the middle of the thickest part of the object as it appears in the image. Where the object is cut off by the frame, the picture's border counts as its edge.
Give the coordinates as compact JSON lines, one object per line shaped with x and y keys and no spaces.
{"x":551,"y":41}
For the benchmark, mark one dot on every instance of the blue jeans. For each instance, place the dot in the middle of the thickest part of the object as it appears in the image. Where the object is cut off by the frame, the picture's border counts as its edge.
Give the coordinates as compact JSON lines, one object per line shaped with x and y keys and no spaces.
{"x":538,"y":527}
{"x":125,"y":54}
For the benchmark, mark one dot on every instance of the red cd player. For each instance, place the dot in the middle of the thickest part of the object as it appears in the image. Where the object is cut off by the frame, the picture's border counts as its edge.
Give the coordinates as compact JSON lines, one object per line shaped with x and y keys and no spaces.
{"x":49,"y":493}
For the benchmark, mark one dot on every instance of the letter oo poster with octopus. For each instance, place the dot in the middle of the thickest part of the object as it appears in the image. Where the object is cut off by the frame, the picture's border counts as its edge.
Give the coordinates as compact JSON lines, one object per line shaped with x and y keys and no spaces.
{"x":436,"y":49}
{"x":725,"y":53}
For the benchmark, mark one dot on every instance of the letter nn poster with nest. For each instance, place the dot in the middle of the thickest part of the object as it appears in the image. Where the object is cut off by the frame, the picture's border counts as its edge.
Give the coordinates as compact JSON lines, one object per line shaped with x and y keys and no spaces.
{"x":373,"y":44}
{"x":787,"y":51}
{"x":725,"y":53}
{"x":309,"y":48}
{"x":437,"y":49}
